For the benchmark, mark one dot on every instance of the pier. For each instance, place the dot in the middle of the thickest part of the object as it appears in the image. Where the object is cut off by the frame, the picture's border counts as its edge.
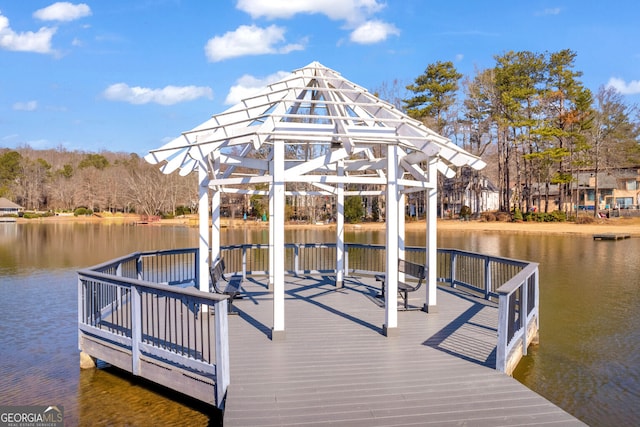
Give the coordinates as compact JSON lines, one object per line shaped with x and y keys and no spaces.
{"x":333,"y":364}
{"x":611,"y":236}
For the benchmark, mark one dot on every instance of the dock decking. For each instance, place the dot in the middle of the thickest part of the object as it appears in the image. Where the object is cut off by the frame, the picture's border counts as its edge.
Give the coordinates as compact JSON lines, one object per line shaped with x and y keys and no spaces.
{"x":335,"y":366}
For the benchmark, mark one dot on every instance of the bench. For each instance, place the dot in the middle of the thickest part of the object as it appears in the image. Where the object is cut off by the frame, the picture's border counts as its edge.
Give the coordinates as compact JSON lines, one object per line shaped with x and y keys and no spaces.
{"x":413,"y":270}
{"x":230,"y":288}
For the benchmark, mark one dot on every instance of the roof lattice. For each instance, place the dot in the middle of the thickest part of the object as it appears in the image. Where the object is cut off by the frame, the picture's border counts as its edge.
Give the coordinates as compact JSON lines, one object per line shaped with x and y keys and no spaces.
{"x":321,"y":118}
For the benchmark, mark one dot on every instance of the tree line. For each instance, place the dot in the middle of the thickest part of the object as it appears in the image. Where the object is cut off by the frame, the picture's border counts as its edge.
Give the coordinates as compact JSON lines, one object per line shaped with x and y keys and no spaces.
{"x":529,"y":117}
{"x":60,"y":180}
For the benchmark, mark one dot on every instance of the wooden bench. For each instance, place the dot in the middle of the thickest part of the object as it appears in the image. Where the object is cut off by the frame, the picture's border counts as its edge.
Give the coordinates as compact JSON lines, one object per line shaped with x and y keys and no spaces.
{"x":416,"y":271}
{"x":232,"y":287}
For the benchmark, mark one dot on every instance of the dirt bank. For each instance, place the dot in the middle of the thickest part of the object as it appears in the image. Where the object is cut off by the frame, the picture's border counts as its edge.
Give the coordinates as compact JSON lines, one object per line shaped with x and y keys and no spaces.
{"x":629,"y":226}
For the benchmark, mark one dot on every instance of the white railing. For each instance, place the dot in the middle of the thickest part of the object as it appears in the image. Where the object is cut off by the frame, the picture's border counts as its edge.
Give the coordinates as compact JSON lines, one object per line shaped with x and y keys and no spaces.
{"x":518,"y":317}
{"x":134,"y":313}
{"x":141,"y":311}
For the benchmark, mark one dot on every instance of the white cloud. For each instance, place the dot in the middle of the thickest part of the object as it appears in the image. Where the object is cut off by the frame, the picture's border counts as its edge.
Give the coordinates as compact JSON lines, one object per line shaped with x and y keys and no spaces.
{"x":357,"y":15}
{"x":347,"y":10}
{"x":373,"y":32}
{"x":63,"y":11}
{"x":25,"y":106}
{"x":28,"y":41}
{"x":549,"y":11}
{"x":248,"y":85}
{"x":248,"y":40}
{"x":631,"y":88}
{"x":168,"y":95}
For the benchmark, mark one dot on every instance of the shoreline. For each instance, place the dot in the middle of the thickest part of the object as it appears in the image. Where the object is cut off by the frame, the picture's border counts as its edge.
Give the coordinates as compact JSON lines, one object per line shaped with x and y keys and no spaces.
{"x":624,"y":225}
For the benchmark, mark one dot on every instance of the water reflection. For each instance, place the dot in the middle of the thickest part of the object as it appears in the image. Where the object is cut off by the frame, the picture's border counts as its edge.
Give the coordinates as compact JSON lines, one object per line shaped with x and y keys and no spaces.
{"x":587,"y":361}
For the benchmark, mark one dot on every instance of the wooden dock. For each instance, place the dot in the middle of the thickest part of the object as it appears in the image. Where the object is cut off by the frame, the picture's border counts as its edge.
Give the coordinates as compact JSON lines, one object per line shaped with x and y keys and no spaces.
{"x":611,"y":236}
{"x":335,"y":366}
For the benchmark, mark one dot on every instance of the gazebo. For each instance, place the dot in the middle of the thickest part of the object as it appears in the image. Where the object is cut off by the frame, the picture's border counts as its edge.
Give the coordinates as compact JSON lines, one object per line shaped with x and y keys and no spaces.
{"x":317,"y":128}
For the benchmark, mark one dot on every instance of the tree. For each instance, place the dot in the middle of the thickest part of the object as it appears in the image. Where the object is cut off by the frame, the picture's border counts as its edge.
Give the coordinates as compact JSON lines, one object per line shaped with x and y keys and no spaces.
{"x":353,"y":209}
{"x":10,"y":169}
{"x":478,"y":119}
{"x":566,"y":116}
{"x":31,"y":186}
{"x":146,"y":189}
{"x":97,"y":161}
{"x":519,"y":78}
{"x":435,"y":93}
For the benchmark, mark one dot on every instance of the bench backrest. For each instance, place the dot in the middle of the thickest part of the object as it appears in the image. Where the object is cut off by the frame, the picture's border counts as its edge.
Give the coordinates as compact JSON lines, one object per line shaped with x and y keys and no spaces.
{"x":217,"y":272}
{"x":412,"y":269}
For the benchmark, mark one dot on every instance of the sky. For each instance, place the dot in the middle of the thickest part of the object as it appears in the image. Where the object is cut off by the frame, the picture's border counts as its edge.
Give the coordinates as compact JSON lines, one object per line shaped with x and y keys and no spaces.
{"x":130,"y":75}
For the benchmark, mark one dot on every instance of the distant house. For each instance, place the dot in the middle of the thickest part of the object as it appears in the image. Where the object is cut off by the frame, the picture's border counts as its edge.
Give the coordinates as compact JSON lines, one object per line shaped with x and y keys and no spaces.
{"x":618,"y":188}
{"x":7,"y":207}
{"x":544,"y":197}
{"x":469,"y":189}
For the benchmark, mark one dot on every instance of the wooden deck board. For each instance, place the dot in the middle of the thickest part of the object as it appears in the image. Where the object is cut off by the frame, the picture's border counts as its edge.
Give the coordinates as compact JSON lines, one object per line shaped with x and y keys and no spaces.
{"x":336,"y":367}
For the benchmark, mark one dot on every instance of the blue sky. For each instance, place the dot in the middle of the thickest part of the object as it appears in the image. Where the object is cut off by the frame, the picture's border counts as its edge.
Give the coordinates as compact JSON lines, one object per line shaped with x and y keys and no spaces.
{"x":129,"y":75}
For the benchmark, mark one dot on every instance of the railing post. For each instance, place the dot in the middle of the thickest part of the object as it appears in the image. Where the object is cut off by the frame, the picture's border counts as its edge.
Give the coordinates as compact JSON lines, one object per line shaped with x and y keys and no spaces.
{"x":136,"y":329}
{"x":536,"y":303}
{"x":244,"y":262}
{"x":196,"y":266}
{"x":454,"y":257}
{"x":487,"y":278}
{"x":222,"y":351}
{"x":346,"y":259}
{"x":503,"y":332}
{"x":296,"y":258}
{"x":524,"y":315}
{"x":139,"y":268}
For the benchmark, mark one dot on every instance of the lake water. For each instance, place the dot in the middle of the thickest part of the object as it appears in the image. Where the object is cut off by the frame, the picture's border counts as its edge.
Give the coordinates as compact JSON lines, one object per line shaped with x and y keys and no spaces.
{"x":588,"y":360}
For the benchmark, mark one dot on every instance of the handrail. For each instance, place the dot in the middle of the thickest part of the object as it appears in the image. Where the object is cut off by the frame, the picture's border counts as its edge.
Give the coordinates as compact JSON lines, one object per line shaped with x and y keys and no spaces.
{"x":518,"y":317}
{"x":154,"y":322}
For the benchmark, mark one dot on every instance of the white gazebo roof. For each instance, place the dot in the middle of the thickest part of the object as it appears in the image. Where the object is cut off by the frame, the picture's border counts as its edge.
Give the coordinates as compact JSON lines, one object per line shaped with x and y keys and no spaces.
{"x":315,"y":127}
{"x":314,"y":111}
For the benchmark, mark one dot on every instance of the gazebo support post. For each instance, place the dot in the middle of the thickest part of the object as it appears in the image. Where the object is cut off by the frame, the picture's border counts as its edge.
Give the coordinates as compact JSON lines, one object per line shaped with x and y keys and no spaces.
{"x":214,"y":242}
{"x":401,"y":229}
{"x":340,"y":227}
{"x":271,"y":235}
{"x":203,"y":227}
{"x":276,"y":244}
{"x":390,"y":327}
{"x":431,"y":237}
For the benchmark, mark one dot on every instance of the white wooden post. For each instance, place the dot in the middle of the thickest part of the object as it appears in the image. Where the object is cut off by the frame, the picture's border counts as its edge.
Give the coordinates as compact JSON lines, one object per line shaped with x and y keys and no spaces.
{"x":136,"y":329}
{"x":391,"y":295}
{"x":277,"y":240}
{"x":272,"y":266}
{"x":432,"y":237}
{"x":223,"y":376}
{"x":215,"y":211}
{"x":340,"y":227}
{"x":401,"y":229}
{"x":203,"y":227}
